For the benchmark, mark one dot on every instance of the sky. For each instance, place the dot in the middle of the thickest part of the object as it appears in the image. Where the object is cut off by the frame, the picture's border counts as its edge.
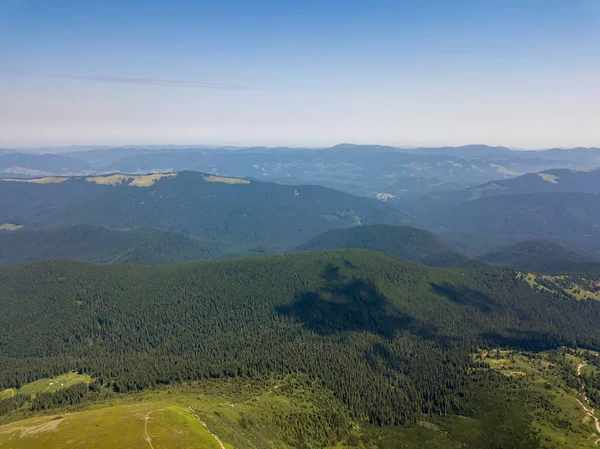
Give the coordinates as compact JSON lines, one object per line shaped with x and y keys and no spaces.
{"x":524,"y":74}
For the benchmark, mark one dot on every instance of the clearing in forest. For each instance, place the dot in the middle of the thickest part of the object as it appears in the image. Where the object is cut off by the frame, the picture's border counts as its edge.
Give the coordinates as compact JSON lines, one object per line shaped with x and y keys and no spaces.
{"x":212,"y":178}
{"x":132,"y":180}
{"x":10,"y":227}
{"x":54,"y":384}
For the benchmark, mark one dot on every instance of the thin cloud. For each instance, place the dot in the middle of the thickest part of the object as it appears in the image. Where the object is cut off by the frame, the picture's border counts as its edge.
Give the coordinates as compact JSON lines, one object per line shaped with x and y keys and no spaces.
{"x":156,"y":82}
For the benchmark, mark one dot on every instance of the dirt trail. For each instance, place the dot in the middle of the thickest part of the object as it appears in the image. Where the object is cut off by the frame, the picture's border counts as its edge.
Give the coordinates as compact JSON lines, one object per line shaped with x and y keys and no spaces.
{"x":146,"y":434}
{"x":588,"y":411}
{"x":207,"y":429}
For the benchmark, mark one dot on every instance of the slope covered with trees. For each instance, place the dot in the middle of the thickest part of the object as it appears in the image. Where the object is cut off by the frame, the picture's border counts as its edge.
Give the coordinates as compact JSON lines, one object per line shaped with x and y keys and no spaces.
{"x":391,"y":339}
{"x":571,"y":217}
{"x":99,"y":244}
{"x":404,"y":242}
{"x":541,"y":256}
{"x":234,"y":211}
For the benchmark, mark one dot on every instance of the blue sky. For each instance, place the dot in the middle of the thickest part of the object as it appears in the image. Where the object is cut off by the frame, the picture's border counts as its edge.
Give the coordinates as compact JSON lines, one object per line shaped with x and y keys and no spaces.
{"x":518,"y":73}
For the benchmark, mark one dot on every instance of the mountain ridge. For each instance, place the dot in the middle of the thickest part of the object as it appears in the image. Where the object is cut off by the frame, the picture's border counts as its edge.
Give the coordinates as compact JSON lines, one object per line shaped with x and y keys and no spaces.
{"x":233,"y":210}
{"x":404,"y":242}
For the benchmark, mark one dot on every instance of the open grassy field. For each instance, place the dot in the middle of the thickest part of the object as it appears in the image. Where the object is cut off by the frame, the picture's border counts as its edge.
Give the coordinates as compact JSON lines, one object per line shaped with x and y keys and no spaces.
{"x":8,"y":393}
{"x":50,"y":385}
{"x":146,"y":425}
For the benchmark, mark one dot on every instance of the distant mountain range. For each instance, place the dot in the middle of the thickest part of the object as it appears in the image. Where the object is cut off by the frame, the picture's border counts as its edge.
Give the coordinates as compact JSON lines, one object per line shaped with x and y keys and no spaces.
{"x":561,"y":204}
{"x":361,"y":169}
{"x":549,"y":181}
{"x":236,"y":216}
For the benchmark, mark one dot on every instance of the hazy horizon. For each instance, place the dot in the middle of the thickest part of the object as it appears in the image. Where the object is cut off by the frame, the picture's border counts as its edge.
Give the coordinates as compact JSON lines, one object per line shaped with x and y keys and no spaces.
{"x":157,"y":146}
{"x":401,"y":73}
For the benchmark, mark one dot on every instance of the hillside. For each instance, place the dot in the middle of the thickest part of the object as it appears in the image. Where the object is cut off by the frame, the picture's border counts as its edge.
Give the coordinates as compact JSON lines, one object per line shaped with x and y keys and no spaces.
{"x":532,"y":400}
{"x":404,"y":242}
{"x":541,"y":256}
{"x":357,"y":320}
{"x":570,"y":217}
{"x":574,"y":215}
{"x":99,"y":244}
{"x":556,"y":180}
{"x":233,"y":211}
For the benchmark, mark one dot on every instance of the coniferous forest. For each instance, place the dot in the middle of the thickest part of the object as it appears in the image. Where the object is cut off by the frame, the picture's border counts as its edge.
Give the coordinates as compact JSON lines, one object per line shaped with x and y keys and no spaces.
{"x":391,"y":339}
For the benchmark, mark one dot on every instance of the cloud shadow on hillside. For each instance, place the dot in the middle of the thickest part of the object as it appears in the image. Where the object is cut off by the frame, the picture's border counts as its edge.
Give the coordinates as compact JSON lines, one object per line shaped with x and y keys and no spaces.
{"x":468,"y":297}
{"x":354,"y":305}
{"x":529,"y":340}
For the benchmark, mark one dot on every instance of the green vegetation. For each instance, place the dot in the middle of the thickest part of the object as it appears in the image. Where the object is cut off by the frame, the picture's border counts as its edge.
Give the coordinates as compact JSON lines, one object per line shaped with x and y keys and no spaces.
{"x":8,"y":393}
{"x":557,"y":392}
{"x":404,"y":242}
{"x":541,"y":256}
{"x":390,"y":339}
{"x":53,"y":384}
{"x":235,"y":214}
{"x":337,"y":349}
{"x":567,"y":216}
{"x":150,"y":424}
{"x":510,"y":399}
{"x":579,"y":286}
{"x":98,"y":244}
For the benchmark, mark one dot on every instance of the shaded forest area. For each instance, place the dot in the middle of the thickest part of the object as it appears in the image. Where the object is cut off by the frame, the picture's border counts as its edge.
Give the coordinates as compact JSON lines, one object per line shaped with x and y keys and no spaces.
{"x":391,"y":339}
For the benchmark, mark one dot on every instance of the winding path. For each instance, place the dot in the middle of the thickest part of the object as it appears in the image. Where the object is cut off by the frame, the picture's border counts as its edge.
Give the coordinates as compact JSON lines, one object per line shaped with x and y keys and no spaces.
{"x":207,"y":429}
{"x":146,"y":434}
{"x":588,"y":411}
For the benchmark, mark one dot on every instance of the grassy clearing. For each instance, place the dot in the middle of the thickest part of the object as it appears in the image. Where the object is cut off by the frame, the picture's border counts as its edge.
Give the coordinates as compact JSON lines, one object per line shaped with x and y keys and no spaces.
{"x":44,"y":180}
{"x":132,"y":180}
{"x":147,"y":425}
{"x":561,"y":421}
{"x":10,"y":227}
{"x":54,"y":384}
{"x":549,"y":178}
{"x":8,"y":393}
{"x":575,"y":286}
{"x":213,"y":178}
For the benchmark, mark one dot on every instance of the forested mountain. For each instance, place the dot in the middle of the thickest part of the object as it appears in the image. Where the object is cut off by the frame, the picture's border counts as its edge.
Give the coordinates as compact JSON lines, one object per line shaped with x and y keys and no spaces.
{"x":542,"y":256}
{"x":99,"y":244}
{"x":392,"y":340}
{"x":230,"y":210}
{"x":510,"y":218}
{"x":567,"y":216}
{"x":549,"y":181}
{"x":557,"y":181}
{"x":558,"y":204}
{"x":404,"y":242}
